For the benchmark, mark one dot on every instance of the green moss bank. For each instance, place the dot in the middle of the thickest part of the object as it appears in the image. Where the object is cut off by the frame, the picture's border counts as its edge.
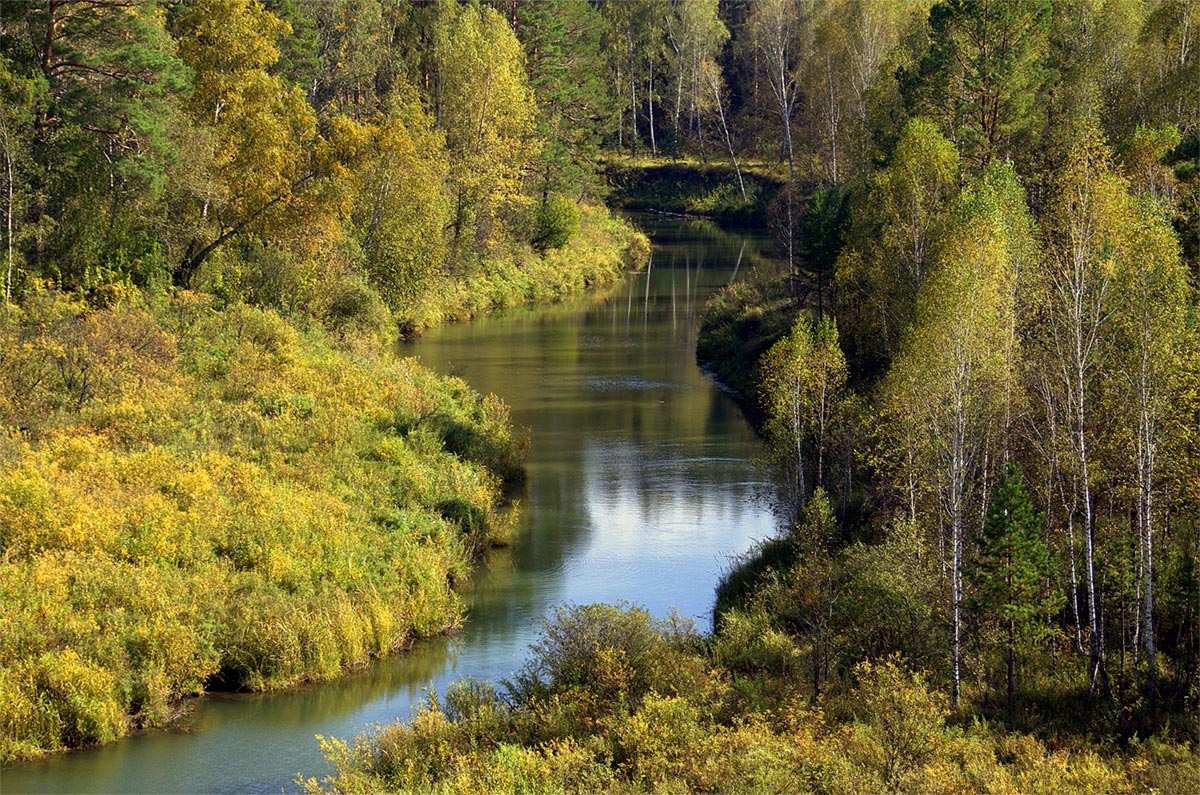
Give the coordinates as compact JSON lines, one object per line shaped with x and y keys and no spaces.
{"x":195,"y":499}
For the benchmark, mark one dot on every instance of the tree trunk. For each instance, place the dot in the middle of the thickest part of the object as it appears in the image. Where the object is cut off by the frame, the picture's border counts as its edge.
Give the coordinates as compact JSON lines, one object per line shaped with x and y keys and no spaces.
{"x":633,"y":141}
{"x":8,"y":215}
{"x":716,"y":89}
{"x":834,"y":118}
{"x":650,"y":112}
{"x":1146,"y":451}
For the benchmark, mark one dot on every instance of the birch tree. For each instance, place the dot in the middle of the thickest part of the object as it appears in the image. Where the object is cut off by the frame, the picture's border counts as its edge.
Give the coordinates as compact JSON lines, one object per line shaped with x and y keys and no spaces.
{"x":950,"y":380}
{"x":1082,"y":235}
{"x":804,"y":375}
{"x":1151,"y":321}
{"x":892,"y":243}
{"x":782,"y":37}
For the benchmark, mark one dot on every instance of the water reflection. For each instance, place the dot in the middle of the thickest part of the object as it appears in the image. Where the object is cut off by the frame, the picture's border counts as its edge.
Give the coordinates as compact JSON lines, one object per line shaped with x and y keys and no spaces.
{"x":642,"y":483}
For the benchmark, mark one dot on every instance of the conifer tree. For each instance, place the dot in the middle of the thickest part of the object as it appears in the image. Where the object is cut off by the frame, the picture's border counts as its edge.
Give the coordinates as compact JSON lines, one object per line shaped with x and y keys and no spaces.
{"x":1009,"y":575}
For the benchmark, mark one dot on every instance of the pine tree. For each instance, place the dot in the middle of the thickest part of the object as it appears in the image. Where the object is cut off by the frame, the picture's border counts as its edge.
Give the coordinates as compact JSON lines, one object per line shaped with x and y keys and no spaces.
{"x":1008,"y":579}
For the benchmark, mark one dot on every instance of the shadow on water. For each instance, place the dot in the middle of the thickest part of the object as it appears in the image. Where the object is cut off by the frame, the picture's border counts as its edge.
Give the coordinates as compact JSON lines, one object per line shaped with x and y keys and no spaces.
{"x":642,"y":483}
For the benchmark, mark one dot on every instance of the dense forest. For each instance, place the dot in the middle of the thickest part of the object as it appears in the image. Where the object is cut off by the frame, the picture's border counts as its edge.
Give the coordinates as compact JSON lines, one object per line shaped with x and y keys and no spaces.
{"x":976,"y":364}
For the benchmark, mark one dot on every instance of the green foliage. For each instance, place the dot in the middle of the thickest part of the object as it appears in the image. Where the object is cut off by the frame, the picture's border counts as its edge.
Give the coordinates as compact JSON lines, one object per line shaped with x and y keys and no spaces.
{"x":557,"y":221}
{"x":597,"y":255}
{"x":981,"y":74}
{"x":565,"y":65}
{"x":892,"y":242}
{"x":801,"y":385}
{"x":616,"y":655}
{"x":1010,"y":574}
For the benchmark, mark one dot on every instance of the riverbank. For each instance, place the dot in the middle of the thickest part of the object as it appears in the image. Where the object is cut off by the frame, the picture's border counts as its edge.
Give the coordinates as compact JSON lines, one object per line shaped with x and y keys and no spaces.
{"x":693,"y":188}
{"x":604,"y":247}
{"x":204,"y":499}
{"x":216,"y":496}
{"x":825,"y":673}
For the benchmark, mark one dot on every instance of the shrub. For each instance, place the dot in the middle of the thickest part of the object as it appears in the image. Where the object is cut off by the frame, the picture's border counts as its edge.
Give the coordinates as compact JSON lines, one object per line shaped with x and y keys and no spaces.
{"x":275,"y":526}
{"x":556,"y":223}
{"x":904,"y":717}
{"x":615,"y":654}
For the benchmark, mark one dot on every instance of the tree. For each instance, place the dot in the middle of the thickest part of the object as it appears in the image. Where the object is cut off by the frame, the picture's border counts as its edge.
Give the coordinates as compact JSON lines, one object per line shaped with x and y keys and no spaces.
{"x":894,"y":238}
{"x":821,"y":227}
{"x":488,"y":115}
{"x":1151,"y":320}
{"x":634,"y":39}
{"x":803,"y":377}
{"x":949,"y":385}
{"x":980,"y":76}
{"x":100,"y":76}
{"x":711,"y":77}
{"x":1009,"y":573}
{"x":400,"y":208}
{"x":566,"y":73}
{"x":1082,"y":230}
{"x":15,"y":129}
{"x":253,"y":134}
{"x":780,"y":30}
{"x":695,"y":35}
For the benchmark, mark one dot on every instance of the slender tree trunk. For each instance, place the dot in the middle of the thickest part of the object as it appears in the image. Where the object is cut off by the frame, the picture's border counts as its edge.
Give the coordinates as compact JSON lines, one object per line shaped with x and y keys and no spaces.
{"x":956,"y":598}
{"x":1011,"y":666}
{"x":716,"y":89}
{"x":787,"y":138}
{"x":834,"y":118}
{"x":1146,"y":455}
{"x":1095,"y":641}
{"x":621,"y":125}
{"x":958,"y":476}
{"x":678,"y":96}
{"x":1074,"y":583}
{"x":8,"y":215}
{"x":650,"y":111}
{"x":633,"y":141}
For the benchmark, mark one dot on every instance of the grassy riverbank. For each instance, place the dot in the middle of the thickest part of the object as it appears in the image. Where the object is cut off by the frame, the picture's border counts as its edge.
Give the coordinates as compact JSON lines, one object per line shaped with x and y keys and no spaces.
{"x":690,"y":187}
{"x":194,"y":498}
{"x":605,"y":247}
{"x":740,"y":323}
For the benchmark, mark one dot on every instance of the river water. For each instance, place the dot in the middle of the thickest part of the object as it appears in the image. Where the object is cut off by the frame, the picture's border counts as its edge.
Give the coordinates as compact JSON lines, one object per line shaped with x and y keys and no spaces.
{"x":642,"y":484}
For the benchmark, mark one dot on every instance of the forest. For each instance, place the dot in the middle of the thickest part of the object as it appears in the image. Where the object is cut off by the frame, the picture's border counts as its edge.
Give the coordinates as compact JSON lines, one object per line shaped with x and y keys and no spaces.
{"x":975,"y":360}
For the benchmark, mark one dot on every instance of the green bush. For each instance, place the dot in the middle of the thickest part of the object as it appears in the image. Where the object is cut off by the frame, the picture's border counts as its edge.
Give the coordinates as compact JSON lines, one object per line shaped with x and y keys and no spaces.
{"x":556,"y":223}
{"x":614,"y":653}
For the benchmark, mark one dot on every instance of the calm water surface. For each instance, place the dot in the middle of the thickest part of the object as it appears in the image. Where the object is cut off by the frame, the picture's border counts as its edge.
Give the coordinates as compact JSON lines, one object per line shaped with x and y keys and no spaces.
{"x":642,"y":484}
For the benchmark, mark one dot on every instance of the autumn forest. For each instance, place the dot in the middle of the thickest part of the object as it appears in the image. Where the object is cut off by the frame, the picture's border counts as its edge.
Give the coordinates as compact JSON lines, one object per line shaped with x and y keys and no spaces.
{"x":972,"y":352}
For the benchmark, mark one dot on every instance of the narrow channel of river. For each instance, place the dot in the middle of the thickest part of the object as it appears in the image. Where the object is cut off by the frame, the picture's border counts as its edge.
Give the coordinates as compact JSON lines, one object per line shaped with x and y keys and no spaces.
{"x":642,"y":484}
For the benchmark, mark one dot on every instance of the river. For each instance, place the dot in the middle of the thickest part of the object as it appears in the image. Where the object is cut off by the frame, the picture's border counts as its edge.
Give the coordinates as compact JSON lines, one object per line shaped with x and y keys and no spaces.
{"x":643,"y":483}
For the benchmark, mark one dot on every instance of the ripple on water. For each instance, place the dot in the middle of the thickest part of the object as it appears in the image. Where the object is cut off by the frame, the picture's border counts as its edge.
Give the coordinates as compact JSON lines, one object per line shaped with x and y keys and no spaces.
{"x":630,"y":383}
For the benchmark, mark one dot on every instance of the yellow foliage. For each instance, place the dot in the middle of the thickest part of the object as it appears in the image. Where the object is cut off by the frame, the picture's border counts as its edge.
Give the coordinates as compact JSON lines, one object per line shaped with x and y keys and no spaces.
{"x":292,"y":512}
